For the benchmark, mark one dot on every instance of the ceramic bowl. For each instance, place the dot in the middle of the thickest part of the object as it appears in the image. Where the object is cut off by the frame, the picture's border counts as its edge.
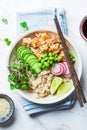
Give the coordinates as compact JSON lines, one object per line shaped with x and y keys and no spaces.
{"x":49,"y":99}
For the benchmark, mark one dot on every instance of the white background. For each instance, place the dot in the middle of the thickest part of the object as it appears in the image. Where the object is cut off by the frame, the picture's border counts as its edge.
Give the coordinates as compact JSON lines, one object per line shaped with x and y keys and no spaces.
{"x":74,"y":119}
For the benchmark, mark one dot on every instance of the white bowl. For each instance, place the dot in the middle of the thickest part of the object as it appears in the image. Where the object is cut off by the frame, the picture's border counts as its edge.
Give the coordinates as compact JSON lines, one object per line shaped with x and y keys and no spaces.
{"x":49,"y":99}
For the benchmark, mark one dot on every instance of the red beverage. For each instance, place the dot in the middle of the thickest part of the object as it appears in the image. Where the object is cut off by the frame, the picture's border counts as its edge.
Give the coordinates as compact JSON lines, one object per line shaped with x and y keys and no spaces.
{"x":83,"y":28}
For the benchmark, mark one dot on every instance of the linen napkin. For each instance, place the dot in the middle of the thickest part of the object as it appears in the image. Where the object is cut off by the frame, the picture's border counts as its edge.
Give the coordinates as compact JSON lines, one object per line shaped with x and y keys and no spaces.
{"x":43,"y":19}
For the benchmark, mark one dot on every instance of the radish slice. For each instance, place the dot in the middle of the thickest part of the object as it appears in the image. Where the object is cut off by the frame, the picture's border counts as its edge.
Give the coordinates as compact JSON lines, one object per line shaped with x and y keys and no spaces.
{"x":61,"y":69}
{"x":57,"y":70}
{"x":67,"y":74}
{"x":64,"y":67}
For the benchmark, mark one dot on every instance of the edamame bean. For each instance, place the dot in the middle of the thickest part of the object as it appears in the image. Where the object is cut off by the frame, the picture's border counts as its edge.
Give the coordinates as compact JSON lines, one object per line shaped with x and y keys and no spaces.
{"x":44,"y":55}
{"x":46,"y":64}
{"x":74,"y":60}
{"x":55,"y":59}
{"x":56,"y":55}
{"x":59,"y":58}
{"x":48,"y":61}
{"x":50,"y":54}
{"x":45,"y":58}
{"x":53,"y":54}
{"x":51,"y":62}
{"x":42,"y":61}
{"x":51,"y":58}
{"x":43,"y":66}
{"x":40,"y":65}
{"x":39,"y":59}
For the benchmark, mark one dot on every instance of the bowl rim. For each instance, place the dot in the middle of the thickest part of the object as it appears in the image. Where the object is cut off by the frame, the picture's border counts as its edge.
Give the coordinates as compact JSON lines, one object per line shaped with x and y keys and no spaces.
{"x":78,"y":55}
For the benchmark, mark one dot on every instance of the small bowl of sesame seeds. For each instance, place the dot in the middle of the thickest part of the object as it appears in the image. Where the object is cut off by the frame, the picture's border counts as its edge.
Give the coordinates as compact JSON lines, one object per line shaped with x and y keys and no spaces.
{"x":7,"y":108}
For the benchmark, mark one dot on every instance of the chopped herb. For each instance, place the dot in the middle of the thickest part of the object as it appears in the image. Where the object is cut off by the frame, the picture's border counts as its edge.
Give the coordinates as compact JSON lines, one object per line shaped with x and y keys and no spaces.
{"x":7,"y":41}
{"x":24,"y":25}
{"x":18,"y":78}
{"x":4,"y":20}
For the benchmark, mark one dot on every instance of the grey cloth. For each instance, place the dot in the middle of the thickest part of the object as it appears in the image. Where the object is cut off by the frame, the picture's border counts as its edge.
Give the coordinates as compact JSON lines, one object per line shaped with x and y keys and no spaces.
{"x":44,"y":20}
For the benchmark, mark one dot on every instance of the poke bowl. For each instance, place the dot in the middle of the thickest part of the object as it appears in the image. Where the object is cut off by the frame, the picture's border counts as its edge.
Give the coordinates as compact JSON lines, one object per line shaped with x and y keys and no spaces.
{"x":38,"y":70}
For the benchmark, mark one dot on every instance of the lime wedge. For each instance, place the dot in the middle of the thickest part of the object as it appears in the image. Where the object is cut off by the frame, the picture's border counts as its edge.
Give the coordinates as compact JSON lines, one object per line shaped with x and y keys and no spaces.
{"x":63,"y":88}
{"x":55,"y":84}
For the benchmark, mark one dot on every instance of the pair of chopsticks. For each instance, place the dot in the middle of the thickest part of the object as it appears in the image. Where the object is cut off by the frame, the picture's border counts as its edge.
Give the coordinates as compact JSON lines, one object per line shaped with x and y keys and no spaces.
{"x":76,"y":82}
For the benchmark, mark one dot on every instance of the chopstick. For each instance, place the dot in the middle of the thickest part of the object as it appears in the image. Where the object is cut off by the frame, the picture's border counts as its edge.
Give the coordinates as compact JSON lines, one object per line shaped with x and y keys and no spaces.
{"x":76,"y":82}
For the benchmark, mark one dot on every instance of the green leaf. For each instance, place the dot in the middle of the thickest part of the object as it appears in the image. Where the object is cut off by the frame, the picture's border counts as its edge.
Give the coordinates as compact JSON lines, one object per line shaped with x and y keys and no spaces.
{"x":24,"y":25}
{"x":7,"y":41}
{"x":4,"y":20}
{"x":13,"y":77}
{"x":12,"y":86}
{"x":24,"y":77}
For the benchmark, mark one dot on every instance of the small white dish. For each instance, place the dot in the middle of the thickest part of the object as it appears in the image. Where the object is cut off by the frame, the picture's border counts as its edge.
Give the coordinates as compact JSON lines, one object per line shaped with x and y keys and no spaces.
{"x":49,"y":99}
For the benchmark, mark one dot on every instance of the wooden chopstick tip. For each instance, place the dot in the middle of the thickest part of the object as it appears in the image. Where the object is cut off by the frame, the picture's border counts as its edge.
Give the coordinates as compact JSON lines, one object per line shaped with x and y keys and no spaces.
{"x":55,"y":17}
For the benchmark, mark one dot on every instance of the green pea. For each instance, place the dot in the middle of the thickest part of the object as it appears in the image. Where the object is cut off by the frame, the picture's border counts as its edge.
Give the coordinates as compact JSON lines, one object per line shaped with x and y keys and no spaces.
{"x":73,"y":59}
{"x":42,"y":61}
{"x":48,"y":61}
{"x":39,"y":59}
{"x":51,"y":62}
{"x":59,"y":58}
{"x":40,"y":65}
{"x":43,"y":66}
{"x":44,"y":55}
{"x":45,"y":58}
{"x":56,"y":59}
{"x":50,"y":54}
{"x":56,"y":55}
{"x":51,"y":58}
{"x":71,"y":53}
{"x":53,"y":54}
{"x":46,"y":64}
